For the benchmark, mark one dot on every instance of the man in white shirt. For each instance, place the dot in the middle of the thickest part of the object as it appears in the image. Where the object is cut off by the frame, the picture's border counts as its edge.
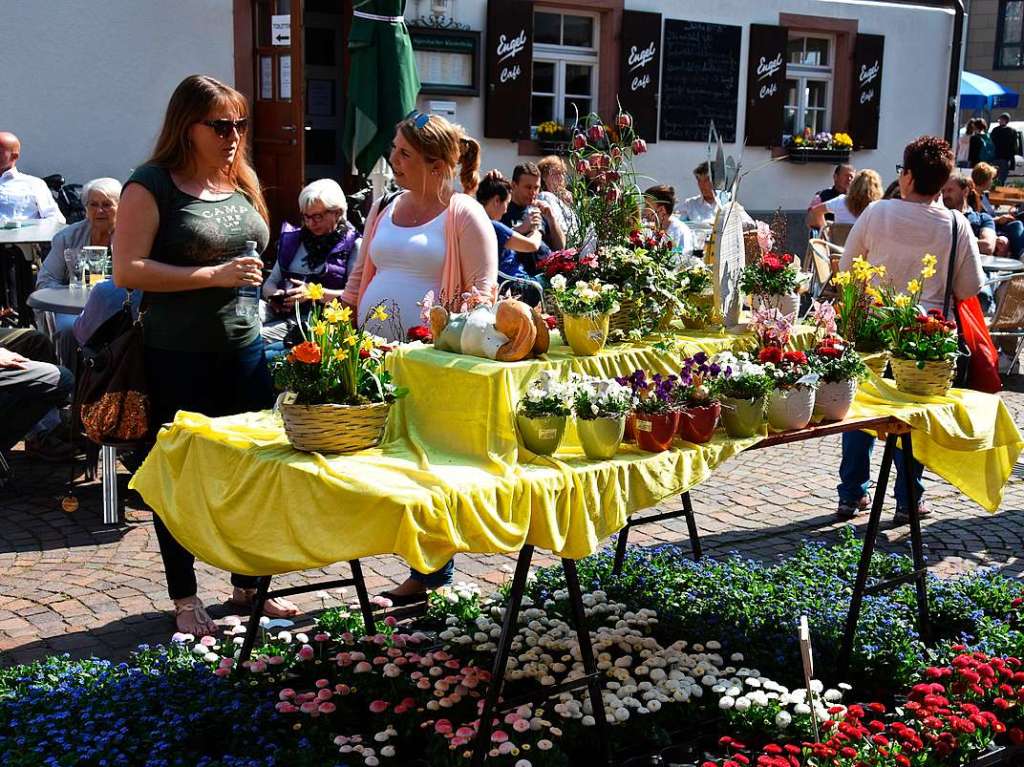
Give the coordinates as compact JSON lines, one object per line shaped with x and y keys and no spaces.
{"x":21,"y":195}
{"x":701,"y":208}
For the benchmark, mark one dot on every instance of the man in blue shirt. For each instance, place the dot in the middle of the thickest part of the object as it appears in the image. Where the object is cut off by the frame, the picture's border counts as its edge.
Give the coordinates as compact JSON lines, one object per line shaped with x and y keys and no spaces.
{"x":959,"y":194}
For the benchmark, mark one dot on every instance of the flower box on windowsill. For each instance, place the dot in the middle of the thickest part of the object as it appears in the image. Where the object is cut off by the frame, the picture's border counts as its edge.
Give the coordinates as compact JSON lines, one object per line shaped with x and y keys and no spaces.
{"x":553,"y":146}
{"x":803,"y":155}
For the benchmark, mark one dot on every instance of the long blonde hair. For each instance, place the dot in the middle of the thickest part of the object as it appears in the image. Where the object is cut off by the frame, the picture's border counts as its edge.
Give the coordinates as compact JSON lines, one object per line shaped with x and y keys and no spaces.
{"x":865,"y":189}
{"x":441,"y":141}
{"x":194,"y":98}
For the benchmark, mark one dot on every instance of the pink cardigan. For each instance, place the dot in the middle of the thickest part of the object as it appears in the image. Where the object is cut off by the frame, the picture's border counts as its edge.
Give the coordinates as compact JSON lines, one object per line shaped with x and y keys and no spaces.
{"x":470,"y":254}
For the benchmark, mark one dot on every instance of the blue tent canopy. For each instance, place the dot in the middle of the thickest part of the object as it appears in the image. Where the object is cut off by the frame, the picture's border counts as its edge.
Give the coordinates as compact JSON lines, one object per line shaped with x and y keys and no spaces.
{"x":977,"y":92}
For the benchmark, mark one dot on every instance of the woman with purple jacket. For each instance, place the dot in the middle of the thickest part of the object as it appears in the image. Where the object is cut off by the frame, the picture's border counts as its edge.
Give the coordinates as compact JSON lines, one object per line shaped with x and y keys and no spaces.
{"x":320,"y":251}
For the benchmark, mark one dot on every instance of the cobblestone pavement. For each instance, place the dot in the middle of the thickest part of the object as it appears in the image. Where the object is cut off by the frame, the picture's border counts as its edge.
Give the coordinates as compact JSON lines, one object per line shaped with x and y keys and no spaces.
{"x":68,"y":584}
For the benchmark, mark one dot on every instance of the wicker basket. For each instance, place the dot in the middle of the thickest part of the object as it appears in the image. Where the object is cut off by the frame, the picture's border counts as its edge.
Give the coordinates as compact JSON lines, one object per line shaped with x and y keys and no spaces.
{"x":877,"y":362}
{"x":934,"y":379}
{"x":751,"y":247}
{"x":334,"y":428}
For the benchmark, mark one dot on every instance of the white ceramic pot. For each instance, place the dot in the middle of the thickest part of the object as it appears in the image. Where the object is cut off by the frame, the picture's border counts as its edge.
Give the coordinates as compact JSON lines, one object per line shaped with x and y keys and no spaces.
{"x":786,"y":304}
{"x":833,"y":400}
{"x":790,"y":408}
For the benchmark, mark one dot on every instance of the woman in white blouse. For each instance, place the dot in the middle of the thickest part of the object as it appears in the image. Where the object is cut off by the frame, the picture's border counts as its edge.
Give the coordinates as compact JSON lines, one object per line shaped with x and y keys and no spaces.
{"x":865,"y":188}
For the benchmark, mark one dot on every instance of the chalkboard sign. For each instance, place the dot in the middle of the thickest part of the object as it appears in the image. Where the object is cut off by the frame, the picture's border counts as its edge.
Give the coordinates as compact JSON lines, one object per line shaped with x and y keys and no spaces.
{"x":639,"y":70}
{"x":700,"y":80}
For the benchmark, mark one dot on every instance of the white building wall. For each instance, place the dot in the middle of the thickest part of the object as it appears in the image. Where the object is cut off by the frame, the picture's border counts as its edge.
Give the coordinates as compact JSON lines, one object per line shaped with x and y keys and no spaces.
{"x":85,"y":84}
{"x":913,"y":102}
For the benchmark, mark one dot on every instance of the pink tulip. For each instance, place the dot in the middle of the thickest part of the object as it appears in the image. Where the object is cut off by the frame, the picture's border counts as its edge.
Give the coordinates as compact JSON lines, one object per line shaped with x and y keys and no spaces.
{"x":639,"y":146}
{"x":326,"y":708}
{"x":578,"y":141}
{"x":443,"y":726}
{"x":324,"y":695}
{"x":499,"y":736}
{"x":378,"y":706}
{"x":322,"y":683}
{"x":624,"y":120}
{"x":595,"y":132}
{"x":308,"y":707}
{"x":391,"y":621}
{"x":465,"y":732}
{"x":306,"y":652}
{"x":583,"y":167}
{"x":321,"y":637}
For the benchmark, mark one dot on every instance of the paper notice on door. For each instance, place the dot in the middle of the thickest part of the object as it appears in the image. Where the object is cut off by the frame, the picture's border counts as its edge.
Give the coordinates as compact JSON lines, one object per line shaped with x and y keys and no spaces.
{"x":285,"y":79}
{"x":266,"y":77}
{"x":281,"y":29}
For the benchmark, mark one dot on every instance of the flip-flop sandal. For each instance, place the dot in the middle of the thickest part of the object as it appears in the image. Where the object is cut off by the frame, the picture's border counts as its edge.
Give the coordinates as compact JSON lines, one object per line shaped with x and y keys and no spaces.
{"x":246,"y":604}
{"x":201,"y":617}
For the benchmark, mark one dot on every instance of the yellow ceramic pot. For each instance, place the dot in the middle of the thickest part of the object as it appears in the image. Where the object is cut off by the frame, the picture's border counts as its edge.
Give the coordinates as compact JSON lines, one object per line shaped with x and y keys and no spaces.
{"x":586,"y":333}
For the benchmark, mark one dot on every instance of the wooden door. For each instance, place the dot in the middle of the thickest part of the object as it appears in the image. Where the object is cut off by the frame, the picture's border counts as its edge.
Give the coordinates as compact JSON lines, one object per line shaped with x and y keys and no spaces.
{"x":278,"y":110}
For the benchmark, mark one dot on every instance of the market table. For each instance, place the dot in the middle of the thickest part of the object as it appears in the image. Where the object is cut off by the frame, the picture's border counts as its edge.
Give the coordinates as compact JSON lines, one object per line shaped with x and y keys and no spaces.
{"x":451,"y":477}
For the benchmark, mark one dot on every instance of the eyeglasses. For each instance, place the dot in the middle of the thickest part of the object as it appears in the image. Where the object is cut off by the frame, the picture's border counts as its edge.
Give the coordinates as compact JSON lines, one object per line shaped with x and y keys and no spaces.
{"x":223,"y":128}
{"x":316,"y":218}
{"x":418,"y":119}
{"x":899,"y":170}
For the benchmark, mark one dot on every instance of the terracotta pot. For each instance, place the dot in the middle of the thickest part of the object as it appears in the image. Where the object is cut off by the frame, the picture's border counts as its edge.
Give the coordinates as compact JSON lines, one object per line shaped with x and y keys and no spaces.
{"x":790,"y":408}
{"x":541,"y":436}
{"x":787,"y":304}
{"x":630,"y":435}
{"x":697,"y":424}
{"x":654,"y":433}
{"x":585,"y":333}
{"x":742,"y":417}
{"x":601,"y":437}
{"x":833,"y":400}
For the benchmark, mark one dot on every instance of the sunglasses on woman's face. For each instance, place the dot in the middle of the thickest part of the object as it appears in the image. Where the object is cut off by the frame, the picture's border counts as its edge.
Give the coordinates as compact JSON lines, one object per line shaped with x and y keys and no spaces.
{"x":223,"y":127}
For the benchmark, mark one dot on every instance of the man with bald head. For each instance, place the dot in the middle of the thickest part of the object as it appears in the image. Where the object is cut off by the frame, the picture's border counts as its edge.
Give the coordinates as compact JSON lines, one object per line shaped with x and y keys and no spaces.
{"x":22,"y":195}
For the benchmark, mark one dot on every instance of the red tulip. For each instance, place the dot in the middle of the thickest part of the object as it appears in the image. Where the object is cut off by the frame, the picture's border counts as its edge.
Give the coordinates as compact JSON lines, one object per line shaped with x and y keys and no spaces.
{"x":612,"y":195}
{"x":583,"y":167}
{"x":624,"y":120}
{"x":579,"y":141}
{"x":595,"y":132}
{"x":639,"y":146}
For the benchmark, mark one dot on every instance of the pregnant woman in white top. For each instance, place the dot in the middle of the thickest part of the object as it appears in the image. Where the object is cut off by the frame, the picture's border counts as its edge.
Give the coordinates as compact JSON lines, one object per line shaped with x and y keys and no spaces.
{"x":428,"y":238}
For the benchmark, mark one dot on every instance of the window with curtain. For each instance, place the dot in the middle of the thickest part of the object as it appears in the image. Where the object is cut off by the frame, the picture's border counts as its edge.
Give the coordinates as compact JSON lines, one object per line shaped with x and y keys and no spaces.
{"x":1009,"y":43}
{"x":809,"y":75}
{"x":565,"y":48}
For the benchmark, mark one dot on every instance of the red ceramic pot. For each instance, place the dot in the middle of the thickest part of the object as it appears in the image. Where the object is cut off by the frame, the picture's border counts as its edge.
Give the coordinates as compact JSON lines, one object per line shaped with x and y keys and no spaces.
{"x":630,"y":433}
{"x":697,"y":424}
{"x":654,"y":433}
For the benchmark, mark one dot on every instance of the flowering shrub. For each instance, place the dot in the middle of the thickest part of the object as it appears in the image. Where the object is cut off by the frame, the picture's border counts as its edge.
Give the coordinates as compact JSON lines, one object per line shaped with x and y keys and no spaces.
{"x":584,"y":298}
{"x":654,"y":395}
{"x":601,"y":398}
{"x":741,"y":377}
{"x":337,"y":363}
{"x":834,"y":360}
{"x":569,"y":263}
{"x":772,"y":274}
{"x":547,"y":396}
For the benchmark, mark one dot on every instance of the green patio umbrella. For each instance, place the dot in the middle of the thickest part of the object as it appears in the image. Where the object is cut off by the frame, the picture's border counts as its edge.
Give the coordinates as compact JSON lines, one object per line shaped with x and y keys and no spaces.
{"x":382,"y":82}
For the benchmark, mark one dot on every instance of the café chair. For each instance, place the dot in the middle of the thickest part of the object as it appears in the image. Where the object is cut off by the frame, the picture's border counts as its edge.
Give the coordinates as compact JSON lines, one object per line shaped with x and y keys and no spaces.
{"x":1008,"y":321}
{"x":822,"y":261}
{"x":837,"y":233}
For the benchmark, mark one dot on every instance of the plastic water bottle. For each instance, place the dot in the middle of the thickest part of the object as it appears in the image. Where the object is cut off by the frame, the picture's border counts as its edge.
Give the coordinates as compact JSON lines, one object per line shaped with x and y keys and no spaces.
{"x":247,"y":303}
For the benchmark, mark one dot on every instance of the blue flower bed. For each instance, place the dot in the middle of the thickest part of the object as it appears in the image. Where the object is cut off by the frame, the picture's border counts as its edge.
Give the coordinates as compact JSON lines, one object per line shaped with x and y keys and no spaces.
{"x":161,"y":710}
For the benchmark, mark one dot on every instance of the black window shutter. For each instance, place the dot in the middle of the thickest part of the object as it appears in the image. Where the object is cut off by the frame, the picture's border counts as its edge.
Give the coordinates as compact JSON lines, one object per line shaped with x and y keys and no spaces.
{"x":766,"y":84}
{"x":868,"y":54}
{"x":509,"y":69}
{"x":640,"y":70}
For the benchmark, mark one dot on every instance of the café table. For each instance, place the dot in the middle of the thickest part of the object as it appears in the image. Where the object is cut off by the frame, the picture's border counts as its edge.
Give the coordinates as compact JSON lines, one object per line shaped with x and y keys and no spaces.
{"x":63,"y":300}
{"x":997,"y":264}
{"x":27,"y":236}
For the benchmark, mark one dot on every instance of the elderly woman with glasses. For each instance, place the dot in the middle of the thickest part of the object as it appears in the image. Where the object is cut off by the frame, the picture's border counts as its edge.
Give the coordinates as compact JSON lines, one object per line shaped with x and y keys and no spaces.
{"x":320,"y":251}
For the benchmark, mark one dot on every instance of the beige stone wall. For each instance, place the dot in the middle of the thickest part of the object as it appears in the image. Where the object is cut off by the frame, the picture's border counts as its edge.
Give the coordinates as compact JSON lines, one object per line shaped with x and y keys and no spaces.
{"x":981,"y":44}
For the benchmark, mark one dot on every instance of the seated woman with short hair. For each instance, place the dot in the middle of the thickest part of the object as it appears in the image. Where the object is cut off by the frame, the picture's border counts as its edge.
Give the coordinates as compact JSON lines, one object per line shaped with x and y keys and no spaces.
{"x":322,"y":250}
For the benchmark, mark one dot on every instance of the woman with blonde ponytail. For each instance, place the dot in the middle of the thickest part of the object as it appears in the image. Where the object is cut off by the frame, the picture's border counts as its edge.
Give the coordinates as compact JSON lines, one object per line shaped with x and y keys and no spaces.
{"x":428,"y":238}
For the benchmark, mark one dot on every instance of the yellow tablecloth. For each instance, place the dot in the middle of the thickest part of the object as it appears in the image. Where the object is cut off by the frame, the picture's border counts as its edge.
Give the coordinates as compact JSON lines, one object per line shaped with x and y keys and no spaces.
{"x":451,"y":478}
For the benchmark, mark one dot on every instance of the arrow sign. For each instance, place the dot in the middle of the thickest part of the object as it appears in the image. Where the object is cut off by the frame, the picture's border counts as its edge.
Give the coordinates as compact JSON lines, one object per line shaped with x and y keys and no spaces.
{"x":281,"y":29}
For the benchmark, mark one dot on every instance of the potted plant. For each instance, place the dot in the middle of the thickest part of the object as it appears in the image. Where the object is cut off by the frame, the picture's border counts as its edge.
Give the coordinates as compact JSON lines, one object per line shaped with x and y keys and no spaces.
{"x":695,"y":285}
{"x":337,"y":394}
{"x":601,"y":407}
{"x":773,"y":280}
{"x":585,"y":308}
{"x":743,"y":388}
{"x":542,"y":413}
{"x":553,"y":137}
{"x":924,"y":354}
{"x":860,"y":319}
{"x":696,"y":403}
{"x":791,"y":402}
{"x":819,"y":147}
{"x":655,"y":418}
{"x":839,"y":369}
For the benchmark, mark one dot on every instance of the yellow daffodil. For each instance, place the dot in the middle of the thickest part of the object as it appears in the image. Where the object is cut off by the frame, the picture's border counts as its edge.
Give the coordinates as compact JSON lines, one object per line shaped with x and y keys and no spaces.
{"x":880,"y":270}
{"x":340,"y":354}
{"x":379,"y":313}
{"x":872,"y":293}
{"x":367,"y":344}
{"x":320,"y":327}
{"x":928,"y":272}
{"x":913,"y":287}
{"x":335,"y":313}
{"x":901,"y":300}
{"x":929,"y":261}
{"x":314,"y":291}
{"x":351,"y":339}
{"x":841,"y":278}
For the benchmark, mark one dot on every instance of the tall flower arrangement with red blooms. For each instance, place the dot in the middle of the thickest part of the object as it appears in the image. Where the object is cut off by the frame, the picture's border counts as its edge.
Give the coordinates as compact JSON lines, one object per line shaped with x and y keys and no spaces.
{"x":605,"y":195}
{"x":773,"y":274}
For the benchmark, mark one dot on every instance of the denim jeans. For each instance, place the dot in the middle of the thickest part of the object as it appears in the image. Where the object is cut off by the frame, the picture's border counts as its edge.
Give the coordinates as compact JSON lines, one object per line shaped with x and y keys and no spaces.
{"x":214,"y":384}
{"x":436,"y":579}
{"x":855,"y":471}
{"x":1002,"y":171}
